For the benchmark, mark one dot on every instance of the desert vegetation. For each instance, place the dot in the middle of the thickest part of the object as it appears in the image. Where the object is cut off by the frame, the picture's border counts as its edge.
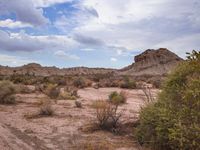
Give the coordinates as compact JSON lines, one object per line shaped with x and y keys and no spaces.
{"x":107,"y":115}
{"x":46,"y":108}
{"x":117,"y":98}
{"x":173,"y":122}
{"x":84,"y":111}
{"x":7,"y":92}
{"x":128,"y":83}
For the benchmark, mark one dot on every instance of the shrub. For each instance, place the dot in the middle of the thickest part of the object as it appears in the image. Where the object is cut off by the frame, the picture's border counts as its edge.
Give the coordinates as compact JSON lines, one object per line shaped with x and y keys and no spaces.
{"x":7,"y":91}
{"x":79,"y":82}
{"x":70,"y":93}
{"x":173,"y":122}
{"x":23,"y":89}
{"x":66,"y":95}
{"x":46,"y":108}
{"x":128,"y":83}
{"x":149,"y":98}
{"x":107,"y":115}
{"x":78,"y":104}
{"x":52,"y":91}
{"x":118,"y":98}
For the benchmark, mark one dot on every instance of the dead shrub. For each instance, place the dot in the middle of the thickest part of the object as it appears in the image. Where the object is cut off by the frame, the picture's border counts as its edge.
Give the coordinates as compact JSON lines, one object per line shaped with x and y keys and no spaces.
{"x":69,"y":93}
{"x":78,"y":104}
{"x":79,"y":82}
{"x":149,"y":98}
{"x":23,"y":89}
{"x":66,"y":95}
{"x":46,"y":108}
{"x":52,"y":91}
{"x":7,"y":91}
{"x":107,"y":114}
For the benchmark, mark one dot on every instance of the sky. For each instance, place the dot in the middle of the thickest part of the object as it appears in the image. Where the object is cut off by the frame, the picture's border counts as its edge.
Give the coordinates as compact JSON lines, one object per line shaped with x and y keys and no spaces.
{"x":94,"y":33}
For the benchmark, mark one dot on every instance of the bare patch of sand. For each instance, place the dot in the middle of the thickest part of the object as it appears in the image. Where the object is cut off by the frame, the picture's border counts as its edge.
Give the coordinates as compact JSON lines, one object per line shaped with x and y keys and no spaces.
{"x":63,"y":130}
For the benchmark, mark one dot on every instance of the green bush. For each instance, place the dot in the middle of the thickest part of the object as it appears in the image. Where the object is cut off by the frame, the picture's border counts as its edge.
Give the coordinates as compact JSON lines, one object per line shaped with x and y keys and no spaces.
{"x":128,"y":83}
{"x":117,"y":98}
{"x":173,"y":122}
{"x":7,"y":91}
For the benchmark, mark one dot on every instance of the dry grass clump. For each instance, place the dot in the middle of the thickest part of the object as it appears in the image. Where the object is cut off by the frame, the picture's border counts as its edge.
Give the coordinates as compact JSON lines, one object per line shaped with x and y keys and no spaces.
{"x":118,"y":98}
{"x":78,"y":104}
{"x":7,"y":92}
{"x":46,"y":108}
{"x":69,"y":93}
{"x":79,"y":82}
{"x":107,"y":115}
{"x":56,"y":92}
{"x":23,"y":89}
{"x":52,"y":91}
{"x":102,"y":145}
{"x":66,"y":95}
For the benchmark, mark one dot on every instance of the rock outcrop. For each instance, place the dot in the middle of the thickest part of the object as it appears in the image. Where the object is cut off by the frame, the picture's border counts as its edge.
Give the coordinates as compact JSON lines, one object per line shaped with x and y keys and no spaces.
{"x":152,"y":63}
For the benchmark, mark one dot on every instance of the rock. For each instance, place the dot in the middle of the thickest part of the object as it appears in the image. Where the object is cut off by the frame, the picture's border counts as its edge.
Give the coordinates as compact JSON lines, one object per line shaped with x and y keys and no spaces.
{"x":153,"y":63}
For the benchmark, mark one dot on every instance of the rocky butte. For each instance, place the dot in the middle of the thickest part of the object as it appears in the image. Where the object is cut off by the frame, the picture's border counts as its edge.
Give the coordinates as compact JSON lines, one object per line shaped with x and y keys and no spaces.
{"x":152,"y":63}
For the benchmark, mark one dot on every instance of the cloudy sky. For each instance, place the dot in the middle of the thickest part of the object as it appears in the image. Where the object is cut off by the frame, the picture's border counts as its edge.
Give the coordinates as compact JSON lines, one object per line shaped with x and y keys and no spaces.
{"x":94,"y":33}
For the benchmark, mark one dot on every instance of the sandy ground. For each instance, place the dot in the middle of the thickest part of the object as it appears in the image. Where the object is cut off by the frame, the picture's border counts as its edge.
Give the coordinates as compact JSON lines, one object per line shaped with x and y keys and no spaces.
{"x":68,"y":128}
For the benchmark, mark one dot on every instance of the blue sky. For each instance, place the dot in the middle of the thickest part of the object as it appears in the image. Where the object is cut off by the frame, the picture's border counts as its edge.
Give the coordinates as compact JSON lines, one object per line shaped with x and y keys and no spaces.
{"x":94,"y":33}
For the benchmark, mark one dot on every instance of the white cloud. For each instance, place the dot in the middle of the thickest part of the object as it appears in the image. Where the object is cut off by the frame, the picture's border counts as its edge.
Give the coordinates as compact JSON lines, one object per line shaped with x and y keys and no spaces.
{"x":47,"y":3}
{"x":66,"y":56}
{"x":113,"y":59}
{"x":13,"y":24}
{"x":87,"y":49}
{"x":181,"y":45}
{"x":23,"y":42}
{"x":113,"y":25}
{"x":14,"y":60}
{"x":139,"y":25}
{"x":24,"y":10}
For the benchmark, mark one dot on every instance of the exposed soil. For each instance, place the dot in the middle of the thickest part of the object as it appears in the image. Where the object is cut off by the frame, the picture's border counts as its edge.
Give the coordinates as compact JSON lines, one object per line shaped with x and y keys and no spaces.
{"x":69,"y":128}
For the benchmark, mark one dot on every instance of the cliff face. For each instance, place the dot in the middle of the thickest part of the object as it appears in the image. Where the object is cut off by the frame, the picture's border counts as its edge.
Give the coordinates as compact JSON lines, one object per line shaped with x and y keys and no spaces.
{"x":152,"y":62}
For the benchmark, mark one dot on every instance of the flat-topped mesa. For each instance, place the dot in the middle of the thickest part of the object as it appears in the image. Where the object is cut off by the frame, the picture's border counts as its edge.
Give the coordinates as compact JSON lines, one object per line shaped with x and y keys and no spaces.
{"x":32,"y":65}
{"x":153,"y":62}
{"x":161,"y":55}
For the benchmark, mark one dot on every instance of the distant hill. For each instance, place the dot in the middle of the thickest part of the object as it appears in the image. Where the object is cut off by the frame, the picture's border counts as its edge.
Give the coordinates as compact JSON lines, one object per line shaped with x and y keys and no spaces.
{"x":151,"y":62}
